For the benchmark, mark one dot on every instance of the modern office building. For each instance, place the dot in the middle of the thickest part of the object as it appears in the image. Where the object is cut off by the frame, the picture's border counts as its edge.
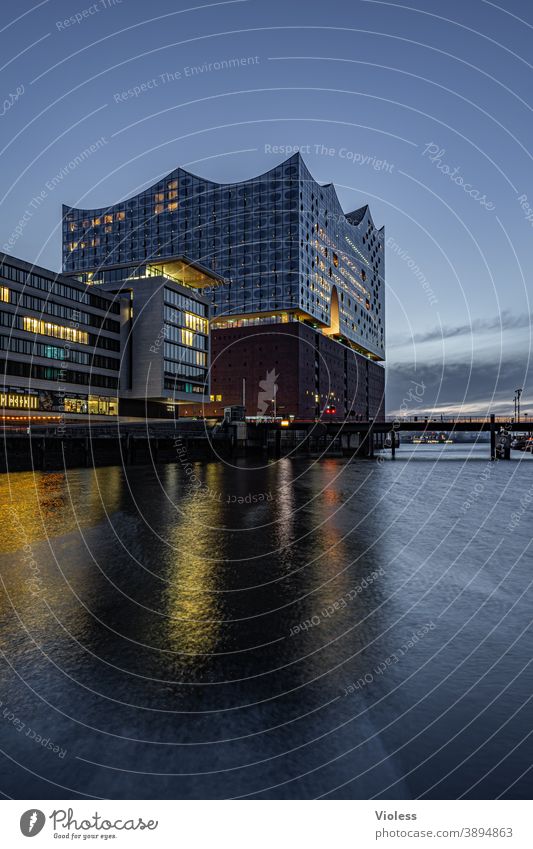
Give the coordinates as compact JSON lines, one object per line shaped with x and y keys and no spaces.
{"x":164,"y":335}
{"x":290,"y":256}
{"x":72,"y":351}
{"x":60,"y":347}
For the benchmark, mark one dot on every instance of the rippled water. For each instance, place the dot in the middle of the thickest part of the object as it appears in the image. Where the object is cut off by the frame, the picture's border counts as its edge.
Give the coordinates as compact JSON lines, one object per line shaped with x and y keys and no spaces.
{"x":340,"y":629}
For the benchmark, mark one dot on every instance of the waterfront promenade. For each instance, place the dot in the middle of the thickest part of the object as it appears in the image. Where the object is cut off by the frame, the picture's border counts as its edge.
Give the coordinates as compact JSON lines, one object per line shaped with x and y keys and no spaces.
{"x":153,"y":441}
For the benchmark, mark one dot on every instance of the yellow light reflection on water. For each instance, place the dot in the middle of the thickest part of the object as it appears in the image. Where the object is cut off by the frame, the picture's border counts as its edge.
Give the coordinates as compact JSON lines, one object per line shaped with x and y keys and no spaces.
{"x":38,"y":505}
{"x":192,"y":603}
{"x":333,"y":555}
{"x":39,"y":510}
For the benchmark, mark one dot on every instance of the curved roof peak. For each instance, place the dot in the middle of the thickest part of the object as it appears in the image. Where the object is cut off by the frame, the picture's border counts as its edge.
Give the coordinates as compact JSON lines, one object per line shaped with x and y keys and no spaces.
{"x":358,"y":214}
{"x":296,"y":158}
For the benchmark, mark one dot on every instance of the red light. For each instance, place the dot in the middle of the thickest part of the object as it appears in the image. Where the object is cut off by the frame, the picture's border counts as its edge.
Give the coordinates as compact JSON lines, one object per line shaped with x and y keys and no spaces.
{"x":331,"y":410}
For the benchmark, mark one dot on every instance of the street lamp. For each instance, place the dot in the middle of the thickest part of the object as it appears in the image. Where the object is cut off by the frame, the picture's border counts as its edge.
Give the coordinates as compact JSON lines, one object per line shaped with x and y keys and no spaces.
{"x":517,"y":394}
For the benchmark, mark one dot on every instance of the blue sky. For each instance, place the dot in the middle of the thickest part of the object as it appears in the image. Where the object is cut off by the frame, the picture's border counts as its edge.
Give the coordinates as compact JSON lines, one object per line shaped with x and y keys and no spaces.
{"x":422,"y":111}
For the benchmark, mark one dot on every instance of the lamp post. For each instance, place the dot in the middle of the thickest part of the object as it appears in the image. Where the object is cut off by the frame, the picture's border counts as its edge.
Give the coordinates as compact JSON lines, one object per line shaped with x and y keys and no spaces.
{"x":517,"y":394}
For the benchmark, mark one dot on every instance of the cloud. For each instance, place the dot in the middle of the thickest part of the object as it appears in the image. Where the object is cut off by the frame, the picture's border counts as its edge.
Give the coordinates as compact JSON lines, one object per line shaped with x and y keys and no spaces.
{"x":475,"y":388}
{"x":503,"y":322}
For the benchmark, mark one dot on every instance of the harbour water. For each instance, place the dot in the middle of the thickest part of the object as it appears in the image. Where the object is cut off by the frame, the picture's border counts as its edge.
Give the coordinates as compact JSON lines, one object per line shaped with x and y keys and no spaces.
{"x":297,"y":629}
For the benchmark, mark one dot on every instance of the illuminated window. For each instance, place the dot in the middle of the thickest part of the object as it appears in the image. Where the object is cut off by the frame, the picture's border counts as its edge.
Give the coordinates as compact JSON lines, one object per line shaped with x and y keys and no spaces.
{"x":172,"y":207}
{"x":102,"y":405}
{"x":72,"y":246}
{"x":158,"y":209}
{"x":335,"y":260}
{"x":108,"y":219}
{"x":46,"y":328}
{"x":72,"y":227}
{"x":120,"y":216}
{"x":187,"y":337}
{"x":75,"y":405}
{"x":96,"y":222}
{"x":19,"y":401}
{"x":173,"y":184}
{"x":159,"y":197}
{"x":4,"y":294}
{"x":194,"y":322}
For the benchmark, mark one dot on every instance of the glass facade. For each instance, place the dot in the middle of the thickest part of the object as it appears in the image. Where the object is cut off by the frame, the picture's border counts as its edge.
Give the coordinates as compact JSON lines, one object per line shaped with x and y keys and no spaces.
{"x":52,"y":285}
{"x":56,"y":365}
{"x":281,"y":241}
{"x":186,"y":346}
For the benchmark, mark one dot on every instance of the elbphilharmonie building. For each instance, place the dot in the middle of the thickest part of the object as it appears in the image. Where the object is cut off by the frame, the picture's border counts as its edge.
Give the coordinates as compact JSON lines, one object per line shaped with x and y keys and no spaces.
{"x":287,"y":265}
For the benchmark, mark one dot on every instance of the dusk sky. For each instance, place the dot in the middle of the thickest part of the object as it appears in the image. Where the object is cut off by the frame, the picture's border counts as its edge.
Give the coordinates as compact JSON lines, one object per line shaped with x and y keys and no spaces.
{"x":420,"y":110}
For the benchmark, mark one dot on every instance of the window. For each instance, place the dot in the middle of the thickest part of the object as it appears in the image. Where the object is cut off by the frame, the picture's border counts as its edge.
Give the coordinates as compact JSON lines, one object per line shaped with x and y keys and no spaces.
{"x":46,"y":328}
{"x":19,"y":401}
{"x":194,"y":322}
{"x":75,"y":405}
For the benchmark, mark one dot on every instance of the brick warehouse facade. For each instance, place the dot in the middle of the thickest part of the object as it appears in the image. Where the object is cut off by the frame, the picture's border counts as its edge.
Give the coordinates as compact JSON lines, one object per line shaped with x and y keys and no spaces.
{"x":310,"y":371}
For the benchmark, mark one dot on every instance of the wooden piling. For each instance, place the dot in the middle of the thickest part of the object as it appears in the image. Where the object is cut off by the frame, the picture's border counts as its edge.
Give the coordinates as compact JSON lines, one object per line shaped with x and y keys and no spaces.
{"x":492,"y":437}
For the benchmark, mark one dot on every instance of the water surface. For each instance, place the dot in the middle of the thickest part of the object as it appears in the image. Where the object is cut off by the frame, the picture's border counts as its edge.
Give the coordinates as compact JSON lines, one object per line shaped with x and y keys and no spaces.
{"x":302,"y":629}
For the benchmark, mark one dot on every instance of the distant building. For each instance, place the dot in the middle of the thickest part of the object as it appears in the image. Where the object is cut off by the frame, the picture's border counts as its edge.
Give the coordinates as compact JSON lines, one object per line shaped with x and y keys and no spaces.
{"x":289,"y":256}
{"x":59,"y":347}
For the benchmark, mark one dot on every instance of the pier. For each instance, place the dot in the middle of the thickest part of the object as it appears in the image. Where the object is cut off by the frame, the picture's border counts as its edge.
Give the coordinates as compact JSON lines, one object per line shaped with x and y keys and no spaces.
{"x":135,"y":443}
{"x":364,"y":437}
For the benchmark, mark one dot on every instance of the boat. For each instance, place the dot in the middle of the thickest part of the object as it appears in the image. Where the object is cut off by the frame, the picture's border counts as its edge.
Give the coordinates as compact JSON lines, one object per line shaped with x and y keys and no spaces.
{"x":433,"y":438}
